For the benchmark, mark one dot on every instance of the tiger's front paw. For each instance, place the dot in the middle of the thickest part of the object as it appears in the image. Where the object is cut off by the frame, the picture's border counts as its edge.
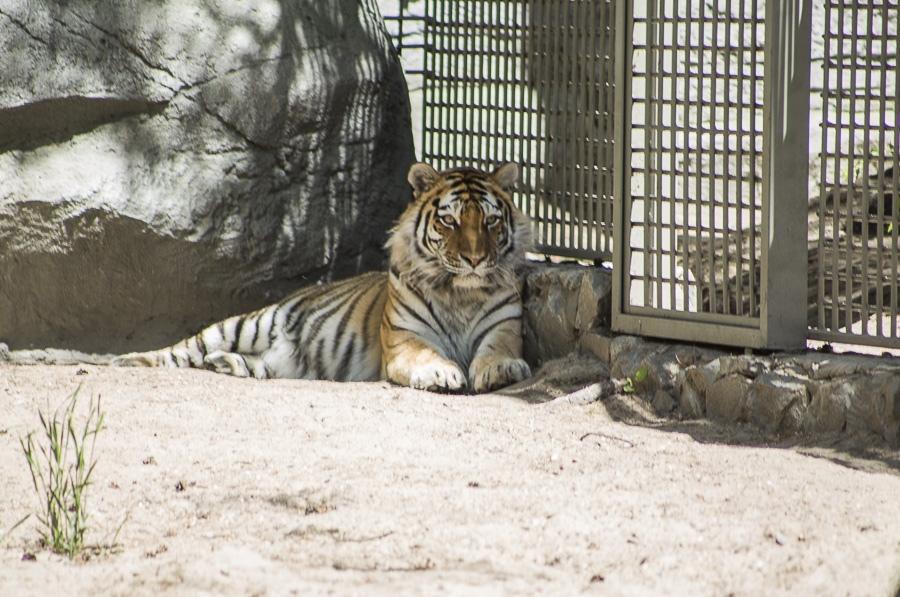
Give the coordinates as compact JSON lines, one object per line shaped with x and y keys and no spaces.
{"x":437,"y":376}
{"x":489,"y":373}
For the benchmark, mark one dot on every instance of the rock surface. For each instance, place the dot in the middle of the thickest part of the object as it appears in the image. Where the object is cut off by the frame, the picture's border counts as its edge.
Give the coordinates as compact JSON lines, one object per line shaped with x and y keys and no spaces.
{"x":166,"y":164}
{"x":563,"y":303}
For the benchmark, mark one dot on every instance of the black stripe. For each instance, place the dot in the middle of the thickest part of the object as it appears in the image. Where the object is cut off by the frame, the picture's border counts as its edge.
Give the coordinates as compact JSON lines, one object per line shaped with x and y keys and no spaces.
{"x":485,"y":332}
{"x":418,"y":220}
{"x":424,"y":234}
{"x":428,"y":306}
{"x":416,"y":316}
{"x":237,"y":334}
{"x":494,"y":308}
{"x":221,"y":327}
{"x":397,"y":328}
{"x":368,"y":314}
{"x":191,"y":360}
{"x":343,"y":372}
{"x":310,"y":295}
{"x":345,"y":319}
{"x":310,"y":308}
{"x":319,"y":365}
{"x":322,"y":317}
{"x":302,"y":360}
{"x":421,"y":254}
{"x":255,"y":334}
{"x":201,"y":344}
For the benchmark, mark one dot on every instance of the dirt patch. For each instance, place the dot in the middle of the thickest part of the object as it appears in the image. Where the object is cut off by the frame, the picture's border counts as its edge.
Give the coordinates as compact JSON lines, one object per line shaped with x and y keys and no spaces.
{"x":316,"y":487}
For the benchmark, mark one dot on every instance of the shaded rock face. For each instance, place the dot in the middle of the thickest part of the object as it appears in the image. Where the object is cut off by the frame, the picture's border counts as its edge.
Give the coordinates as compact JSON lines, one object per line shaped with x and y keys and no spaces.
{"x":562,"y":303}
{"x":166,"y":164}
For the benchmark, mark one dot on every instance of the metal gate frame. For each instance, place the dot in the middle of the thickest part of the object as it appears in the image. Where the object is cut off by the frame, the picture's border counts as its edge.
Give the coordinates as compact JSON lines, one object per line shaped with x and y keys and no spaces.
{"x":781,"y":322}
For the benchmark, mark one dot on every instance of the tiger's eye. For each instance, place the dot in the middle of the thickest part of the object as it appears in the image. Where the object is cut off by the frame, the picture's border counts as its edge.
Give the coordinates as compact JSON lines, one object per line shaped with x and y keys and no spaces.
{"x":448,"y":221}
{"x":491,"y":220}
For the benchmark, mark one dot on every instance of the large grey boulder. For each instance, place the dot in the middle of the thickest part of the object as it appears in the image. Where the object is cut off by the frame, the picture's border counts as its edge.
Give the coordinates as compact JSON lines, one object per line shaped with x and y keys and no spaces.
{"x":165,"y":164}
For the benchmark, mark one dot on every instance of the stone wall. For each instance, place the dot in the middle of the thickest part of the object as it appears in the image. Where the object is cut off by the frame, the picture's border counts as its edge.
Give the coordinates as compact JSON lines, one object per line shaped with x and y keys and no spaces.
{"x":786,"y":394}
{"x":166,"y":164}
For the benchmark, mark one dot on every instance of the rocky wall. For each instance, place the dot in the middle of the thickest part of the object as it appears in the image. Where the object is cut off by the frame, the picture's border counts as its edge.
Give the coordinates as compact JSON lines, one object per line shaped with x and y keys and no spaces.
{"x":785,"y":394}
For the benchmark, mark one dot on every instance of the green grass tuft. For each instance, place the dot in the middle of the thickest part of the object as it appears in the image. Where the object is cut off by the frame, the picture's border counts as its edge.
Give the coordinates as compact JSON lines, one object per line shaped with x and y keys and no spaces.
{"x":61,"y":460}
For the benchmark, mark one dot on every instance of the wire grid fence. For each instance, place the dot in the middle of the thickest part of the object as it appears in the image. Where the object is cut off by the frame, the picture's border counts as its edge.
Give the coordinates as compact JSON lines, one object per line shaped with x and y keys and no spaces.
{"x":691,"y":234}
{"x":529,"y":81}
{"x":854,"y":248}
{"x":532,"y":81}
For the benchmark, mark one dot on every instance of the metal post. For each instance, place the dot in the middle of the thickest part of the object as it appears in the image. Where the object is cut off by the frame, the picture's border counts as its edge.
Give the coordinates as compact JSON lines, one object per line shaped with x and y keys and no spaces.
{"x":786,"y":151}
{"x":621,"y":169}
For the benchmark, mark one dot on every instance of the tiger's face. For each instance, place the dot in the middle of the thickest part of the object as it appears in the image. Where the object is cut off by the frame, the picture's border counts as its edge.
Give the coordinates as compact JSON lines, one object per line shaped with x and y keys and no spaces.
{"x":463,"y":227}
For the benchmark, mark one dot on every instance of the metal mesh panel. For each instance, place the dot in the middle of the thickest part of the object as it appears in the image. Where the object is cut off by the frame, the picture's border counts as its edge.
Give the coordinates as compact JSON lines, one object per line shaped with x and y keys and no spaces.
{"x":530,"y":82}
{"x":855,"y":258}
{"x":693,"y":218}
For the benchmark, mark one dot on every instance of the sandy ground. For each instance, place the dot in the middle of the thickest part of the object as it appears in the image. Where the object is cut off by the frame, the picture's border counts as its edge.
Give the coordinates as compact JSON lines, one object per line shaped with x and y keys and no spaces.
{"x":289,"y":487}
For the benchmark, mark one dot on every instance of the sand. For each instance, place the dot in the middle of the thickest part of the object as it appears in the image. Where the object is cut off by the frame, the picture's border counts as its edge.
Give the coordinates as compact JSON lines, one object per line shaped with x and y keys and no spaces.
{"x":234,"y":487}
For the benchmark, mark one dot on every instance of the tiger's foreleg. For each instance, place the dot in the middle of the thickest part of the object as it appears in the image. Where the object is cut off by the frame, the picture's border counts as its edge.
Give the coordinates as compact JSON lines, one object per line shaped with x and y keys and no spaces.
{"x":409,"y":361}
{"x":498,"y":358}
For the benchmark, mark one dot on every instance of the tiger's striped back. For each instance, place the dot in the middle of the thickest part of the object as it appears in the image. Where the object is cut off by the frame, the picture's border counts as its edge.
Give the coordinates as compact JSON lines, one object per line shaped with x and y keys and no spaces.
{"x":329,"y":331}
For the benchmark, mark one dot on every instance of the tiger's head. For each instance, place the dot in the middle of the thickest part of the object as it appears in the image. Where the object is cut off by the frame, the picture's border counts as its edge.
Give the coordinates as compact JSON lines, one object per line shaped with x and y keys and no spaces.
{"x":462,"y":228}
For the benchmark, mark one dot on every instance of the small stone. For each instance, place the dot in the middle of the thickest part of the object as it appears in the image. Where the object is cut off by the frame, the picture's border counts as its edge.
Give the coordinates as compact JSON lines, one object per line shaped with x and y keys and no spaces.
{"x":663,"y":403}
{"x":622,"y":345}
{"x":691,"y":403}
{"x":829,"y":402}
{"x":746,"y":365}
{"x":726,"y":399}
{"x":595,"y":344}
{"x":777,"y":402}
{"x":876,"y":408}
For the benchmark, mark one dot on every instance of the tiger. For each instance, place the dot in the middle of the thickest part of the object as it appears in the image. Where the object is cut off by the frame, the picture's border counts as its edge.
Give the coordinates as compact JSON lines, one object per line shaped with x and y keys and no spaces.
{"x":445,"y":316}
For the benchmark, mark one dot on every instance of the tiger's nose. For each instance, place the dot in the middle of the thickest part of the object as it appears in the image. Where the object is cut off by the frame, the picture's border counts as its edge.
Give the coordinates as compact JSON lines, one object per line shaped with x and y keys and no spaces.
{"x":472,"y":260}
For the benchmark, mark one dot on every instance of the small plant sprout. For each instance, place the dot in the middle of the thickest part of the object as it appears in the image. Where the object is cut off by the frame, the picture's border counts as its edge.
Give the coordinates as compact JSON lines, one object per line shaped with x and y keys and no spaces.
{"x":632,"y":382}
{"x":61,"y":460}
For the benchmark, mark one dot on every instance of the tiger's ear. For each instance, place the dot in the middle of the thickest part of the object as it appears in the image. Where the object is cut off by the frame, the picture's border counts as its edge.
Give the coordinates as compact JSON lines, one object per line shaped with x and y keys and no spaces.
{"x":506,"y":175}
{"x":421,"y":177}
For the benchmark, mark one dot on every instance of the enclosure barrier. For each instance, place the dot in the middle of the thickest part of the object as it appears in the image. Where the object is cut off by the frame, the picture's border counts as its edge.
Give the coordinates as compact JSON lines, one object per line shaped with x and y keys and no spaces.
{"x":854,"y":252}
{"x":696,"y":116}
